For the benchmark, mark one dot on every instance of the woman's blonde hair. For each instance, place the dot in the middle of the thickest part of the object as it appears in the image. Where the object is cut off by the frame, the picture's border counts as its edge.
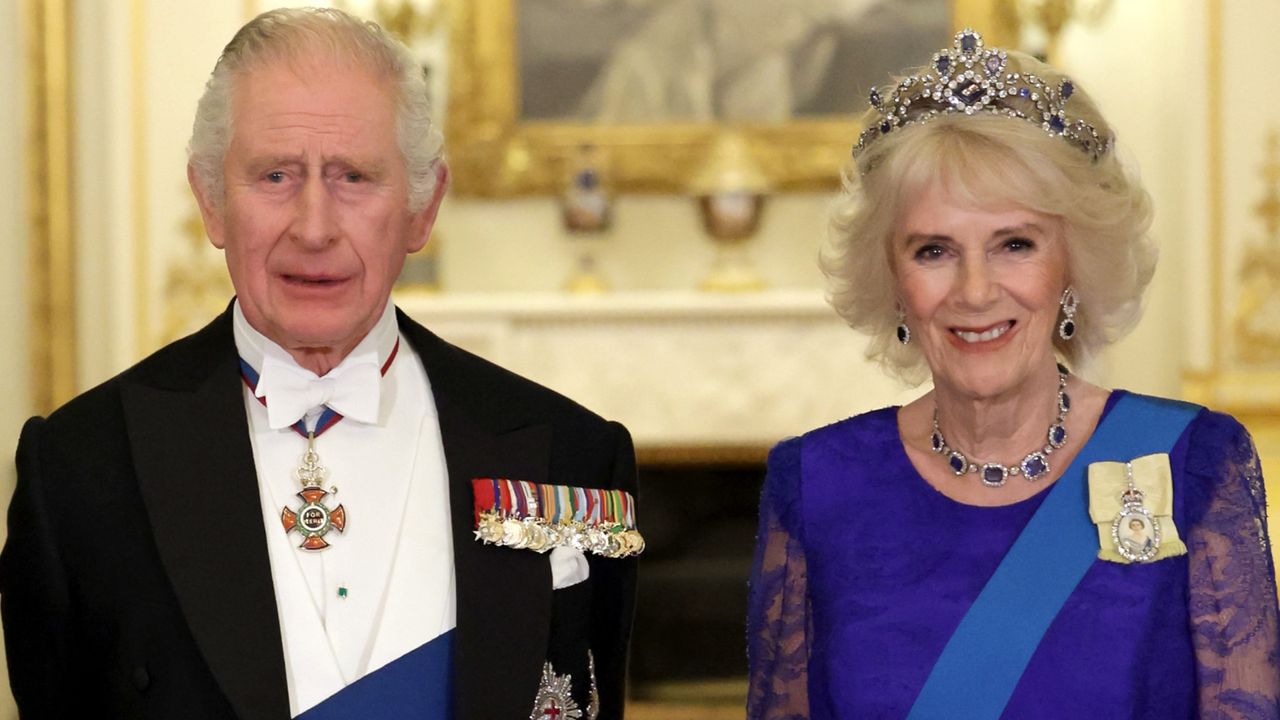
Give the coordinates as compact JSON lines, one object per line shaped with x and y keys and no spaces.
{"x":989,"y":160}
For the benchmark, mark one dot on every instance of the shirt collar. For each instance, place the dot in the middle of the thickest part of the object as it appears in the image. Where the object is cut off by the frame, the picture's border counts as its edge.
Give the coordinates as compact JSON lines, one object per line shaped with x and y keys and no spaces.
{"x":253,"y":346}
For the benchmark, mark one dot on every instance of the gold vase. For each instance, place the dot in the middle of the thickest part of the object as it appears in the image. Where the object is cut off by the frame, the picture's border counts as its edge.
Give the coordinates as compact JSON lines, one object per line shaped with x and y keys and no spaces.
{"x":731,"y":191}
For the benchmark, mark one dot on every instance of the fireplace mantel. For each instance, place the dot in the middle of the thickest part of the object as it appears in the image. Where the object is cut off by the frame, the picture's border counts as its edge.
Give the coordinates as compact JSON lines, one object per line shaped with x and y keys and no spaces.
{"x":690,"y":374}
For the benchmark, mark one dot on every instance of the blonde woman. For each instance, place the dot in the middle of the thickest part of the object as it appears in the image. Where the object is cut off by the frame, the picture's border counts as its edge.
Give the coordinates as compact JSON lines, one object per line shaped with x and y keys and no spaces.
{"x":987,"y":238}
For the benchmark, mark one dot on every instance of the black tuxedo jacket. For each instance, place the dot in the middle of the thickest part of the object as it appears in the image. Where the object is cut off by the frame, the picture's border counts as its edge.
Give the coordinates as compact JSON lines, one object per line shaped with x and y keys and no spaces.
{"x":135,"y":581}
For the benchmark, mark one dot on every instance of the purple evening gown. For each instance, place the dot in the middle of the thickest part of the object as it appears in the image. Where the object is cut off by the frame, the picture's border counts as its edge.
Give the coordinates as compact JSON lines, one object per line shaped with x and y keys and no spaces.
{"x":863,"y":571}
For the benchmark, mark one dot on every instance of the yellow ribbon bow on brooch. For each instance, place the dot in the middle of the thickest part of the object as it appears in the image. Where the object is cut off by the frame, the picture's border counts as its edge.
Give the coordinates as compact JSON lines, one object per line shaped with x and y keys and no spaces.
{"x":1132,"y":505}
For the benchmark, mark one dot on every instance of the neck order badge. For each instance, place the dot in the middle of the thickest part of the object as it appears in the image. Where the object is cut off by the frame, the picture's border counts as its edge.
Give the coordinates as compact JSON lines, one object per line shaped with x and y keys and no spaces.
{"x":313,"y":519}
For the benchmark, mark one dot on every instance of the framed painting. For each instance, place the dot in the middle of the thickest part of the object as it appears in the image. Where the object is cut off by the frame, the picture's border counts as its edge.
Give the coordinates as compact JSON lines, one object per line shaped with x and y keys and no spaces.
{"x":649,"y":84}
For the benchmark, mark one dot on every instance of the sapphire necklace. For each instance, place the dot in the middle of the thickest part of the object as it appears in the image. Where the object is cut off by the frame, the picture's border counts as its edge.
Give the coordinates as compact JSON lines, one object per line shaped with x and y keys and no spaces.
{"x":993,"y":474}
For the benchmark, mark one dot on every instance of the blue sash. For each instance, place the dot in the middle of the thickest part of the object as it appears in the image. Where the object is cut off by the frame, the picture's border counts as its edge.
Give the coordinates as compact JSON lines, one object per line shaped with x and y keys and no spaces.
{"x":418,"y":684}
{"x":983,"y":661}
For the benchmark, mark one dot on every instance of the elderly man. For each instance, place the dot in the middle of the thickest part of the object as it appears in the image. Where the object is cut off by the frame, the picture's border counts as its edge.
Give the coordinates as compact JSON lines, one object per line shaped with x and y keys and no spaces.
{"x":314,"y":507}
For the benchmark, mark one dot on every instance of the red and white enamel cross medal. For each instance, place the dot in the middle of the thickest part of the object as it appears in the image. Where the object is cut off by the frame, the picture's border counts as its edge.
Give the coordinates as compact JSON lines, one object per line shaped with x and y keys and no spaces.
{"x":313,"y":519}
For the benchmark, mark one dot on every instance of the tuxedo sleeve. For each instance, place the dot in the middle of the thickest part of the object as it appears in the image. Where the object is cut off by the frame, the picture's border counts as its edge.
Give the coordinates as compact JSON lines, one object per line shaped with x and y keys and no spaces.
{"x":35,"y":599}
{"x":614,"y":592}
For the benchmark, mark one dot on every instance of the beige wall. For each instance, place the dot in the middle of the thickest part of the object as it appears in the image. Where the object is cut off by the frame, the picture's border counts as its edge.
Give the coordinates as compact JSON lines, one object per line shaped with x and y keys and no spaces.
{"x":105,"y":178}
{"x":14,"y":371}
{"x":13,"y":256}
{"x":1168,"y":40}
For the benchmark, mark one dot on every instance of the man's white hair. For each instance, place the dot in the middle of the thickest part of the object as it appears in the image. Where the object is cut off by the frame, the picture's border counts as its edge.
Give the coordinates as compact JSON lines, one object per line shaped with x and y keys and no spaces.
{"x":299,"y":35}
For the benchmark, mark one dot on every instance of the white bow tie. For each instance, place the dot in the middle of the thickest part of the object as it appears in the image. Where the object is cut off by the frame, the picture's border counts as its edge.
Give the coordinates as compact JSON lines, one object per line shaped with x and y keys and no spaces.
{"x":353,"y":389}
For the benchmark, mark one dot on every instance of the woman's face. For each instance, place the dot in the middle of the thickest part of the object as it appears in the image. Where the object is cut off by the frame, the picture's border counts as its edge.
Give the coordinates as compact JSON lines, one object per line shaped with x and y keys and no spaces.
{"x":980,"y":289}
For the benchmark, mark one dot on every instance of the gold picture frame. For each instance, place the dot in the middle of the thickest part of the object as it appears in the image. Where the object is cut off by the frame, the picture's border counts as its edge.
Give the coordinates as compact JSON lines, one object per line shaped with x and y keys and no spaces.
{"x":494,"y":154}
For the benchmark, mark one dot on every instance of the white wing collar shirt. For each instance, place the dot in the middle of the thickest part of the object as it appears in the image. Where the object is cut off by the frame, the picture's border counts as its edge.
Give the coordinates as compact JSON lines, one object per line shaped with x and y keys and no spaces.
{"x":385,"y":585}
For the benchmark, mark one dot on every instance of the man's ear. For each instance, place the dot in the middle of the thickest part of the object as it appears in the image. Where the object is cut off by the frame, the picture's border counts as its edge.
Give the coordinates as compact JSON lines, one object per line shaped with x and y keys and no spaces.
{"x":209,"y":210}
{"x":424,"y":219}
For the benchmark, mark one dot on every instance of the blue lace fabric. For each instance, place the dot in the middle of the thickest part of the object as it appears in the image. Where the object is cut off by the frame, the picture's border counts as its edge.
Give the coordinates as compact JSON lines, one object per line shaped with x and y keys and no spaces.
{"x":848,"y":610}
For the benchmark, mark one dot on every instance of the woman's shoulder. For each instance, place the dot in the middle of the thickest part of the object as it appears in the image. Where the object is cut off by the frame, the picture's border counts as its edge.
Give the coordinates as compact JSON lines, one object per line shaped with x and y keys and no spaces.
{"x":1219,"y":446}
{"x":1213,"y":448}
{"x":1206,"y":428}
{"x":851,"y":435}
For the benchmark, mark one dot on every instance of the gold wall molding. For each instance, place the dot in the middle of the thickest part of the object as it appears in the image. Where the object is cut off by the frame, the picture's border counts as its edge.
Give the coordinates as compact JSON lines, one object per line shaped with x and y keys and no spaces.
{"x":51,"y":244}
{"x":196,"y":284}
{"x":1256,"y":322}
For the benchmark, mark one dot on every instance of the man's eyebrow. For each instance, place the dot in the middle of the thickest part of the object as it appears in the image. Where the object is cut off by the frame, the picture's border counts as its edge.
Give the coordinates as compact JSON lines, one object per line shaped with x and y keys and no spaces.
{"x":370,"y":167}
{"x":265,"y":162}
{"x":258,"y":164}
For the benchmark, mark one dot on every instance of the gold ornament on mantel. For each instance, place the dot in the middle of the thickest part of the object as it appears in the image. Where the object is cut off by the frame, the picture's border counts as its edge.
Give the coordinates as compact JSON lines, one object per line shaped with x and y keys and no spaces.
{"x":1257,"y":316}
{"x":731,"y":190}
{"x":587,"y":208}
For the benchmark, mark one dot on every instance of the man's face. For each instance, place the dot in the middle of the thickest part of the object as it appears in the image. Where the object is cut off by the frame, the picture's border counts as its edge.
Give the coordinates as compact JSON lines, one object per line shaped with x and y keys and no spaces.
{"x":315,"y":219}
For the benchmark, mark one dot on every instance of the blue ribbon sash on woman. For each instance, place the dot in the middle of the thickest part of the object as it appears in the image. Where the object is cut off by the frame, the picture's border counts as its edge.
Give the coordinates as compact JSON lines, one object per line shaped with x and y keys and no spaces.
{"x":984,"y":659}
{"x":418,"y":684}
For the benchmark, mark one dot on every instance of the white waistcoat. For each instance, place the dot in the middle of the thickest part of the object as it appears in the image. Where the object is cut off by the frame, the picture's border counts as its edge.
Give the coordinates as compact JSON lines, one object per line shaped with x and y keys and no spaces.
{"x":385,"y":585}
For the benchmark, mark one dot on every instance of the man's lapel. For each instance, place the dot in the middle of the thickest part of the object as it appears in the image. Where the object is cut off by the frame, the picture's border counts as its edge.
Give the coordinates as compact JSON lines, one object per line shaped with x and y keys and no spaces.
{"x":190,"y":442}
{"x":504,"y":595}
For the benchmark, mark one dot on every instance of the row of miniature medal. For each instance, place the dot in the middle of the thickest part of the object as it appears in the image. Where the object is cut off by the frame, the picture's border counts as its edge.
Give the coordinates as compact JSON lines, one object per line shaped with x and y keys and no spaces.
{"x":614,"y":541}
{"x":993,"y":474}
{"x":532,"y":516}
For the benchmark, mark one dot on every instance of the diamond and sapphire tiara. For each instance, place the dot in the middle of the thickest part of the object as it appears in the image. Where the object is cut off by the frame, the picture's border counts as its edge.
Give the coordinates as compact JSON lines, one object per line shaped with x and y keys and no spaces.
{"x":971,"y":79}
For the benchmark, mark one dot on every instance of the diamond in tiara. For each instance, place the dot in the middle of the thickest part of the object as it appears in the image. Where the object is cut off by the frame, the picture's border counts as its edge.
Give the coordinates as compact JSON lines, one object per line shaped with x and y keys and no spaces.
{"x":971,"y":79}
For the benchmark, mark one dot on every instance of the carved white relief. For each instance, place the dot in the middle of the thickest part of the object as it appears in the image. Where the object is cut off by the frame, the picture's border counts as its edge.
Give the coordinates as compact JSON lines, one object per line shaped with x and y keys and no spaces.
{"x":678,"y":368}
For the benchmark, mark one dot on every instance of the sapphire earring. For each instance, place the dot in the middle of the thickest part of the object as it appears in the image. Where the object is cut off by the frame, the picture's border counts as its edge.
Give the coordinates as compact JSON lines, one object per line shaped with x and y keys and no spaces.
{"x":1069,"y":303}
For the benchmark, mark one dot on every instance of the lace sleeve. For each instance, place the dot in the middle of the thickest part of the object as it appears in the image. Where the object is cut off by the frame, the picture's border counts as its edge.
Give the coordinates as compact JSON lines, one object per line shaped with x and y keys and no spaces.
{"x":778,"y":607}
{"x":1232,"y":578}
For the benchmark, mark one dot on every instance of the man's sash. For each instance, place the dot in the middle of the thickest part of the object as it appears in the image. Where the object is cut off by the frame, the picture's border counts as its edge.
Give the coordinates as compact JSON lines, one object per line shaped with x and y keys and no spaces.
{"x":983,"y":661}
{"x":418,"y":684}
